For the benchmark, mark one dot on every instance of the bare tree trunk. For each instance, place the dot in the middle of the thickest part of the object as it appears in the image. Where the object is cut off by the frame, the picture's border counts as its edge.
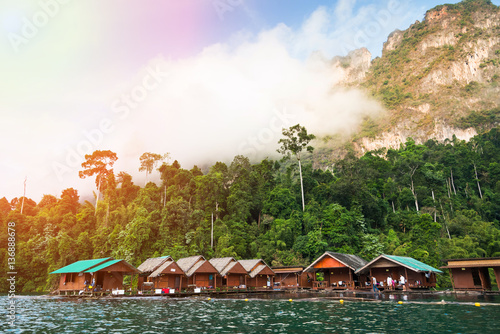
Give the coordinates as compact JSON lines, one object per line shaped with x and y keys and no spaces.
{"x":444,"y":219}
{"x":477,"y":180}
{"x":412,"y":187}
{"x":302,"y":187}
{"x":97,"y":197}
{"x":434,"y":200}
{"x":453,"y":183}
{"x":393,"y":210}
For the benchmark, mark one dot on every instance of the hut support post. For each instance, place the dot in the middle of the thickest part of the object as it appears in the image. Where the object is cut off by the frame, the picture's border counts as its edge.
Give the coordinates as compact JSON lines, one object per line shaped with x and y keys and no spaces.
{"x":451,"y":278}
{"x":407,"y":281}
{"x":497,"y":276}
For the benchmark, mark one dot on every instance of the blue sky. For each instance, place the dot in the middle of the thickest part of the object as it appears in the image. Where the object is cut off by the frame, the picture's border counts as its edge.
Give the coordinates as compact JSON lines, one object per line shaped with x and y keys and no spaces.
{"x":211,"y":79}
{"x":256,"y":15}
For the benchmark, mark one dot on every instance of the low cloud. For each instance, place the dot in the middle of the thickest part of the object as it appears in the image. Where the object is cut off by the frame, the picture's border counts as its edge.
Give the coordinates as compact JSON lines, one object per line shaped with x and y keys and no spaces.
{"x":230,"y":99}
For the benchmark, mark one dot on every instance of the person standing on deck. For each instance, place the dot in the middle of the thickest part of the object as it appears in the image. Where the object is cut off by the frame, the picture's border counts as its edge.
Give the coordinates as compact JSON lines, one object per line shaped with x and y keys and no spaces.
{"x":402,"y":281}
{"x":374,"y":284}
{"x":389,"y":282}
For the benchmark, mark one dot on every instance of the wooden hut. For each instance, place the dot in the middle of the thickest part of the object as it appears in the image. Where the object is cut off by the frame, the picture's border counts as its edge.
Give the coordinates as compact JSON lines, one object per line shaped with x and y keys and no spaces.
{"x":73,"y":279}
{"x":199,"y":272}
{"x":337,"y":271}
{"x":231,"y":272}
{"x":418,"y":275}
{"x":292,"y":277}
{"x":109,"y":275}
{"x":473,"y":274}
{"x":147,"y":268}
{"x":260,"y":275}
{"x":167,"y":276}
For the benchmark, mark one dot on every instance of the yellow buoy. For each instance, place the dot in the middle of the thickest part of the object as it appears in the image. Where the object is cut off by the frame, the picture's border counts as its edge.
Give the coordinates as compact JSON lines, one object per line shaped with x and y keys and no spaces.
{"x":477,"y":304}
{"x":246,"y":299}
{"x":209,"y":298}
{"x":290,"y":300}
{"x":341,"y":301}
{"x":400,"y":302}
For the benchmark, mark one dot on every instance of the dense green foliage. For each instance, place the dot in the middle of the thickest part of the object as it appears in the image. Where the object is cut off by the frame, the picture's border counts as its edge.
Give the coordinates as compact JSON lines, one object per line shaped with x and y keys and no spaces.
{"x":423,"y":201}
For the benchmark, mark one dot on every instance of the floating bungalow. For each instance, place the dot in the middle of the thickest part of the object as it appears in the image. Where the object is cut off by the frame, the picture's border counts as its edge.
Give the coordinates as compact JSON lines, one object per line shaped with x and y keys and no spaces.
{"x":292,"y":277}
{"x":168,"y":276}
{"x":231,"y":273}
{"x":418,"y":275}
{"x":200,"y":273}
{"x":104,"y":274}
{"x":147,"y":268}
{"x":337,"y":271}
{"x":473,"y":274}
{"x":109,"y":275}
{"x":260,"y":275}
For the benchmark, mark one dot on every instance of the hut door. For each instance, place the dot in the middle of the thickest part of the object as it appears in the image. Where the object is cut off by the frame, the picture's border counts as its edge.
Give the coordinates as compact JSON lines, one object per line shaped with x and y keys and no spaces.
{"x":475,"y":277}
{"x":211,"y":280}
{"x":177,"y":282}
{"x":99,"y":279}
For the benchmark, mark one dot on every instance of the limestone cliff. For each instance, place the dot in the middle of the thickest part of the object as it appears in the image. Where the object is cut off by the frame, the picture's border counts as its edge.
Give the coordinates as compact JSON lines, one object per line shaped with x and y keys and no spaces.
{"x":438,"y":78}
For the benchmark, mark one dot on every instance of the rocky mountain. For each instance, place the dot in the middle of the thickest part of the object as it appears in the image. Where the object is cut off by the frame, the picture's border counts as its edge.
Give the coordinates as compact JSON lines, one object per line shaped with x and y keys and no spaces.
{"x":438,"y":78}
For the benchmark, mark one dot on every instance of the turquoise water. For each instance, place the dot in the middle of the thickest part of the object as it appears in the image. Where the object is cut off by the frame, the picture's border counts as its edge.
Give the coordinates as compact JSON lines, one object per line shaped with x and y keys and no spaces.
{"x":200,"y":315}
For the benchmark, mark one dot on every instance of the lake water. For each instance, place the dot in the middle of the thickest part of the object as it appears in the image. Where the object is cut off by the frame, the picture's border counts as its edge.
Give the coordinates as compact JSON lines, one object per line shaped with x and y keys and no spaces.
{"x":417,"y":314}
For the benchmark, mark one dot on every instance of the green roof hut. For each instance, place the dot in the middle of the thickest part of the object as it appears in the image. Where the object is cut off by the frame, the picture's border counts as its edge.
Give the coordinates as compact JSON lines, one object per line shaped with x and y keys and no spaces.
{"x":417,"y":275}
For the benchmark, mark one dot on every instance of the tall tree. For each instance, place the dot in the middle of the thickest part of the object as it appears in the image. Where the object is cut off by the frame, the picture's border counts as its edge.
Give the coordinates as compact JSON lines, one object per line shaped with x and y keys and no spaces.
{"x":149,"y":162}
{"x":98,"y":163}
{"x":296,"y":140}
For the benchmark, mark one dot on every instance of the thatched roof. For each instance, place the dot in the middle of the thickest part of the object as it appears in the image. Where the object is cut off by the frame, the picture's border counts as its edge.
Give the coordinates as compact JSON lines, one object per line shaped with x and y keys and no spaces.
{"x":160,"y":269}
{"x":254,"y":267}
{"x":151,"y":264}
{"x":186,"y":263}
{"x":249,"y":264}
{"x":221,"y":263}
{"x":228,"y":268}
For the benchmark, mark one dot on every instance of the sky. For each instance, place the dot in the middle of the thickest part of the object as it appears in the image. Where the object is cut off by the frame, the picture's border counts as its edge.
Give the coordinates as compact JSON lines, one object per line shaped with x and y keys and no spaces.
{"x":203,"y":80}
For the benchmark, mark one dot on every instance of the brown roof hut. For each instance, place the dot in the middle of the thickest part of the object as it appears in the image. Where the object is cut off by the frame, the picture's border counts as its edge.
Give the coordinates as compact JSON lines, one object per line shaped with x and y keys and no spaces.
{"x":147,"y":268}
{"x":231,"y":272}
{"x":473,"y":274}
{"x":167,"y":276}
{"x":260,"y":275}
{"x":292,"y":277}
{"x":417,"y":275}
{"x":337,"y":271}
{"x":199,"y":272}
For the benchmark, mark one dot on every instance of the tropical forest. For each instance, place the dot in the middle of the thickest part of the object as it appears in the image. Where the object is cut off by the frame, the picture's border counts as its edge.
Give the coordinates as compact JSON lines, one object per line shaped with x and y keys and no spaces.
{"x":430,"y":201}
